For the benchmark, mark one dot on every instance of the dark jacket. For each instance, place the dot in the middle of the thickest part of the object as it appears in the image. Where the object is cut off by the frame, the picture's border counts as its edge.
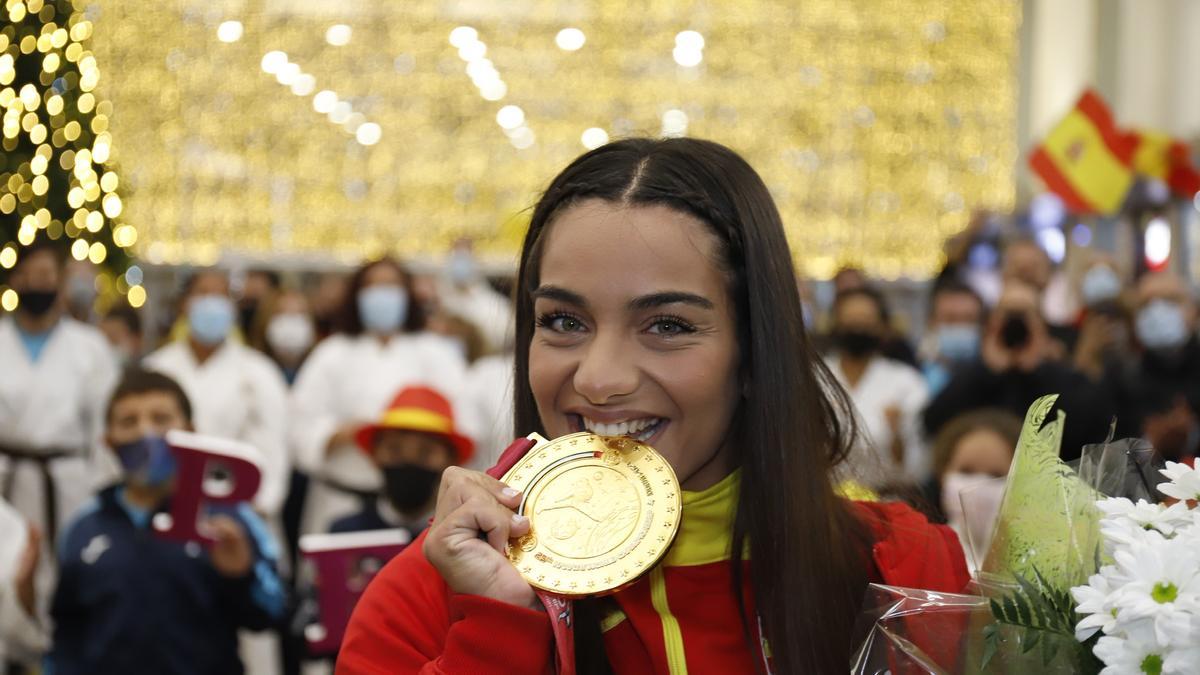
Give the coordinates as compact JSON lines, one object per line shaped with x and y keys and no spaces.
{"x":1088,"y":406}
{"x":368,"y":518}
{"x":130,"y":602}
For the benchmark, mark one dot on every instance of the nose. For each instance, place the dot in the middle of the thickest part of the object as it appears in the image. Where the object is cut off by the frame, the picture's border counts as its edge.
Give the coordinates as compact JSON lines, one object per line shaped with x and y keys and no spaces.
{"x":146,"y":428}
{"x":607,"y":369}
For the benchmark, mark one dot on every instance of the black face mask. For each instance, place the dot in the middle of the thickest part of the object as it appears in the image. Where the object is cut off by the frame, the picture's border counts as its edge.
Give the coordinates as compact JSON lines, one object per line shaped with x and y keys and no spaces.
{"x":38,"y":302}
{"x":408,"y":487}
{"x":857,"y":343}
{"x":1014,"y":333}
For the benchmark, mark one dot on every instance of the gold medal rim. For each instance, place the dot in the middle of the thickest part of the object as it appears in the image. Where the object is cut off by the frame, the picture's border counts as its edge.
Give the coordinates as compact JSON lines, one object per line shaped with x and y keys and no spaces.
{"x":672,"y":509}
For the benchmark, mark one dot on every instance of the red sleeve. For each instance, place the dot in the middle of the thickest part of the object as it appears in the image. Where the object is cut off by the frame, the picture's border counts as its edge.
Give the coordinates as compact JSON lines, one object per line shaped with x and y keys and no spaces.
{"x":407,"y":621}
{"x":911,"y":552}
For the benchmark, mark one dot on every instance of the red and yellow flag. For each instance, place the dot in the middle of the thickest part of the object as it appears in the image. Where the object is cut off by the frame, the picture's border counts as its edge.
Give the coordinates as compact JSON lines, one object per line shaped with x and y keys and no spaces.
{"x":1086,"y":160}
{"x":1160,"y":156}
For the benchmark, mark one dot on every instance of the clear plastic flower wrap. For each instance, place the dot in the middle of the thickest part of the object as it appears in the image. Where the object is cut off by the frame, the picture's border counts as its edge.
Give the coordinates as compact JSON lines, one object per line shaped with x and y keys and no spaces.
{"x":1018,"y":615}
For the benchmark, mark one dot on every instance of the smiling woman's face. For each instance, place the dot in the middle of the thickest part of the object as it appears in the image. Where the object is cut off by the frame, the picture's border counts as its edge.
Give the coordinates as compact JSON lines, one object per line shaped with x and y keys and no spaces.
{"x":636,"y":334}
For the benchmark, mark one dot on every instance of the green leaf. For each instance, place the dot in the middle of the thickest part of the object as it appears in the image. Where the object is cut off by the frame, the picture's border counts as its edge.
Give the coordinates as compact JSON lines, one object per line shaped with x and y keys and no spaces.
{"x":1043,"y":620}
{"x":1031,"y":639}
{"x":997,"y":612}
{"x":1023,"y":612}
{"x":990,"y":644}
{"x":1010,"y":610}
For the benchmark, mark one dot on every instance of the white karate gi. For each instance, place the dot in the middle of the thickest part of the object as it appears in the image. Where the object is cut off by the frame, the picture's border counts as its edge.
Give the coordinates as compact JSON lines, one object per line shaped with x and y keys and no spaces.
{"x":237,"y":393}
{"x":22,"y":637}
{"x":55,"y":405}
{"x":353,"y":379}
{"x":490,"y":388}
{"x":887,"y":383}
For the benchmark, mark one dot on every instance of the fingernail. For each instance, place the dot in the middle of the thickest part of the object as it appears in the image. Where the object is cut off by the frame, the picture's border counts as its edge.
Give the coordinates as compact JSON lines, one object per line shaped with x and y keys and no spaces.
{"x":509,"y":493}
{"x":519,"y":519}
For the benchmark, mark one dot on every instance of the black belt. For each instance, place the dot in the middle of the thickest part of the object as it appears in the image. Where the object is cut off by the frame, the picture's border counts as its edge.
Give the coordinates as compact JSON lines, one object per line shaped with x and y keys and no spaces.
{"x":49,"y":491}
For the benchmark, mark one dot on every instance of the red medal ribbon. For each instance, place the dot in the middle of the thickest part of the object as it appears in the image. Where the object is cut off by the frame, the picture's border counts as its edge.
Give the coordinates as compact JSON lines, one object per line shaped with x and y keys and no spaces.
{"x":558,"y":608}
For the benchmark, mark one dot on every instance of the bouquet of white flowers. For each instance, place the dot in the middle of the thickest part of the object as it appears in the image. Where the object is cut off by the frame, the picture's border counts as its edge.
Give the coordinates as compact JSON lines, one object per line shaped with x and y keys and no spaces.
{"x":1146,"y":604}
{"x":1088,"y":570}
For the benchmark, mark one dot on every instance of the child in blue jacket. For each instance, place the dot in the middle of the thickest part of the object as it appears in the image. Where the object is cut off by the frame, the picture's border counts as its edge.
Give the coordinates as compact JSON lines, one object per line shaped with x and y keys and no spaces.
{"x":129,"y":601}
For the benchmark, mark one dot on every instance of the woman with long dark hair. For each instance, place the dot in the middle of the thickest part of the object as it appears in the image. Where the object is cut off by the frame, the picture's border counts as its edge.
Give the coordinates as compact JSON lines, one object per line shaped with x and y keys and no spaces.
{"x":381,"y":346}
{"x":656,"y":298}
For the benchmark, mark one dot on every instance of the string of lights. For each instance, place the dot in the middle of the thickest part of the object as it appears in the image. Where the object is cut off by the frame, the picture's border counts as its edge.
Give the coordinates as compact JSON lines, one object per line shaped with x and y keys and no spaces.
{"x":878,"y":127}
{"x":58,"y":181}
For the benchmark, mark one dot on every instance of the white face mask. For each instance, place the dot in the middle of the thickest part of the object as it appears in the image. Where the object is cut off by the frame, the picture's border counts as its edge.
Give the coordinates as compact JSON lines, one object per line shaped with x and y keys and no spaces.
{"x":291,"y":334}
{"x":982,"y":494}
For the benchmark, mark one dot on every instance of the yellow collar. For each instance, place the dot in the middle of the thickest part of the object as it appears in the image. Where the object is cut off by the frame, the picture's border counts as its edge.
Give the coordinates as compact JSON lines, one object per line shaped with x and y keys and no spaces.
{"x":706,"y":529}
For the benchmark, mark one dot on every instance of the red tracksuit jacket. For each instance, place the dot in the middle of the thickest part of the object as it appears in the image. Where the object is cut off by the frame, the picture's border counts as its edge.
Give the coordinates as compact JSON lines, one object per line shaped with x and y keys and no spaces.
{"x":678,"y":617}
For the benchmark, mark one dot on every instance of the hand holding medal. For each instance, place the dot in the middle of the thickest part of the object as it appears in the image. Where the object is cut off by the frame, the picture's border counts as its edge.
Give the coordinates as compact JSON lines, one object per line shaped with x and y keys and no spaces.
{"x":602,"y":511}
{"x":579,"y":516}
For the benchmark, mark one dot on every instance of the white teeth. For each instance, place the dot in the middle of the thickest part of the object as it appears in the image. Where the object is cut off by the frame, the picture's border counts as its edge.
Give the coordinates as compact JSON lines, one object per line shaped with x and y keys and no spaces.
{"x":626,"y":428}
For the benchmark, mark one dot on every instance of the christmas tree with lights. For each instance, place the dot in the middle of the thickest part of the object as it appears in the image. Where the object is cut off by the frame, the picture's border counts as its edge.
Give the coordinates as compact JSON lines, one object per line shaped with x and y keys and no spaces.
{"x":57,"y":180}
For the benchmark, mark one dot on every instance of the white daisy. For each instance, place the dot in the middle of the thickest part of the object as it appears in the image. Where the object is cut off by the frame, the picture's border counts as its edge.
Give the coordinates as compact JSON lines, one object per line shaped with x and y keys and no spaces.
{"x":1165,"y":519}
{"x":1095,"y":600}
{"x":1182,"y":660}
{"x":1163,"y":586}
{"x":1185,"y":482}
{"x":1126,"y":524}
{"x":1130,"y":657}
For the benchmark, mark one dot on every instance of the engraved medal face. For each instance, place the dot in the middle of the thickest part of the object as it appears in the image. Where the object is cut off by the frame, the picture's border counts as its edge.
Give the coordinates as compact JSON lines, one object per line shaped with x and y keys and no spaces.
{"x":602,"y":512}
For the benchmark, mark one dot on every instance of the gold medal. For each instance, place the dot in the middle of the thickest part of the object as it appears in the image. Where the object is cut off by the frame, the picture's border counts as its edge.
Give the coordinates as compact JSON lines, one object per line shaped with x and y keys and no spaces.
{"x":602,"y":511}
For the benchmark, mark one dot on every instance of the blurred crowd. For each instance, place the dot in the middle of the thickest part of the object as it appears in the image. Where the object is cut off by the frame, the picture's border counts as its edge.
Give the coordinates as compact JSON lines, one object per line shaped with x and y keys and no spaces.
{"x":358,"y":390}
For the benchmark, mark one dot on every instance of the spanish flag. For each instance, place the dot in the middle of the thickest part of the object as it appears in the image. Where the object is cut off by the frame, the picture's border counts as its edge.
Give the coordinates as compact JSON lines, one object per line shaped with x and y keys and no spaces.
{"x":1086,"y":160}
{"x":1167,"y":159}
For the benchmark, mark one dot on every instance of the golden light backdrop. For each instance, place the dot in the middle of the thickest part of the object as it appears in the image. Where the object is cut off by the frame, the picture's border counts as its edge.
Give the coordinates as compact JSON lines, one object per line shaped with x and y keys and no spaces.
{"x":346,"y":128}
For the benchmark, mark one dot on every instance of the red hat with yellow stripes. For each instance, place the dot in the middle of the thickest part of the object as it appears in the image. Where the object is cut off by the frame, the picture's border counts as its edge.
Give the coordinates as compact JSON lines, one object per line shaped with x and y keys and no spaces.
{"x":419,"y":409}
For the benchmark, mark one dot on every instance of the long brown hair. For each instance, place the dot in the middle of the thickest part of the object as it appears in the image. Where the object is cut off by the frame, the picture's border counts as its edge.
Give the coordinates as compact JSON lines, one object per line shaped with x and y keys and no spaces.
{"x":350,"y":323}
{"x":807,"y":550}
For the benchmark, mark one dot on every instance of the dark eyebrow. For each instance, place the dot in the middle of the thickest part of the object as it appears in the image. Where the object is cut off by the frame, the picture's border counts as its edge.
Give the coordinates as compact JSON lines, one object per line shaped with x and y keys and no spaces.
{"x":669,"y":298}
{"x":560,"y":294}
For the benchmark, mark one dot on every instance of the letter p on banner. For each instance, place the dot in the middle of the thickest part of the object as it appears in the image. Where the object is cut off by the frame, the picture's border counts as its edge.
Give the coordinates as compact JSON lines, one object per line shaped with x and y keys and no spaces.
{"x":210,"y":471}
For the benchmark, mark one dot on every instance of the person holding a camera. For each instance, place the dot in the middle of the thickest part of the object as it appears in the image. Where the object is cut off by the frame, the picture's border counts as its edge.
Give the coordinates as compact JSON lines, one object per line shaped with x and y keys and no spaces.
{"x":1018,"y":362}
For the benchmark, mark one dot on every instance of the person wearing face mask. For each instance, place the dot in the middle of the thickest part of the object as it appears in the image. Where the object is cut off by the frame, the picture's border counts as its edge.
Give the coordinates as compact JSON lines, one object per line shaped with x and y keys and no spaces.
{"x":1103,"y":341}
{"x":969,"y":456}
{"x":1167,"y":363}
{"x":286,"y":331}
{"x":888,"y":395}
{"x":952,"y":338}
{"x":1015,"y":367}
{"x":465,"y":292}
{"x":122,"y":327}
{"x":129,"y":601}
{"x":55,"y":376}
{"x":412,"y":443}
{"x":238,"y":393}
{"x":350,"y":377}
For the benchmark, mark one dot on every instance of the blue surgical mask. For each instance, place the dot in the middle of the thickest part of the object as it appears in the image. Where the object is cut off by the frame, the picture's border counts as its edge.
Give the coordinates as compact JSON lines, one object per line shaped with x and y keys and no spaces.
{"x":210,"y":318}
{"x":1100,"y":284}
{"x":1160,"y":325}
{"x":147,"y":461}
{"x":383,"y":309}
{"x":958,"y":342}
{"x":461,"y":267}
